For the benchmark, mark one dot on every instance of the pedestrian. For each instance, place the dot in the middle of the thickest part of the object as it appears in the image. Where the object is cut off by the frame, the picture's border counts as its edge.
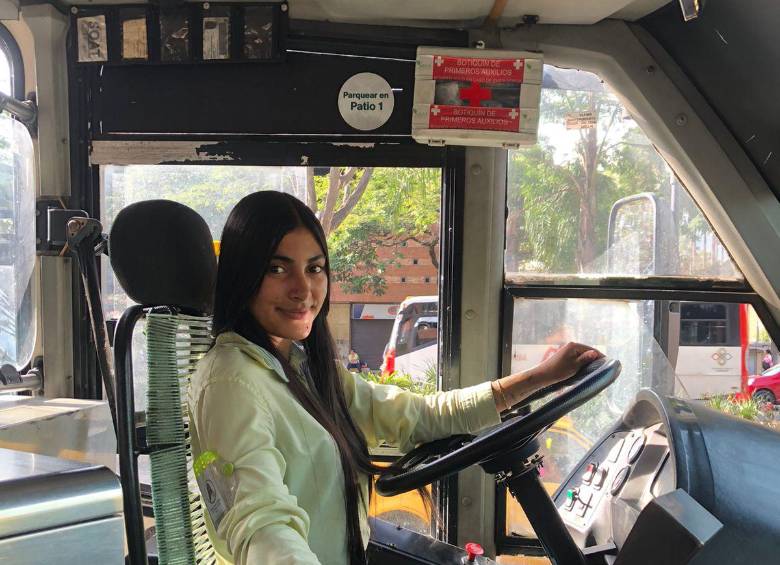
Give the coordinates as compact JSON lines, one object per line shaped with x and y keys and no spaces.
{"x":768,"y":360}
{"x":353,"y":361}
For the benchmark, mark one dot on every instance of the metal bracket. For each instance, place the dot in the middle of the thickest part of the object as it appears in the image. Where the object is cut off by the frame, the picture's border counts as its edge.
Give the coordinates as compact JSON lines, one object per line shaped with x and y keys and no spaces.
{"x":12,"y":380}
{"x":25,"y":111}
{"x":51,"y":219}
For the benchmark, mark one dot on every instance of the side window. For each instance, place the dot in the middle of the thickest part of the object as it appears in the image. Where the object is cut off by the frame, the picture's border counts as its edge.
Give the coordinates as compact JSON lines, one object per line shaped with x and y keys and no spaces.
{"x":594,"y":204}
{"x":405,"y":331}
{"x":17,"y":228}
{"x":705,"y":324}
{"x":426,"y":332}
{"x":594,"y":197}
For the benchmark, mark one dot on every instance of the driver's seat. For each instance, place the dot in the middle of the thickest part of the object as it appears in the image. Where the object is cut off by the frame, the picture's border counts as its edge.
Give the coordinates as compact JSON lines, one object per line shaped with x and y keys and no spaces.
{"x":162,"y":254}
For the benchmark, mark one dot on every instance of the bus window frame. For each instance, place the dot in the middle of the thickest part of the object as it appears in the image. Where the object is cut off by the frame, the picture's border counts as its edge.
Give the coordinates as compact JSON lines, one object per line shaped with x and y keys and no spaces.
{"x":660,"y":292}
{"x":611,"y":287}
{"x":364,"y":149}
{"x":13,"y":53}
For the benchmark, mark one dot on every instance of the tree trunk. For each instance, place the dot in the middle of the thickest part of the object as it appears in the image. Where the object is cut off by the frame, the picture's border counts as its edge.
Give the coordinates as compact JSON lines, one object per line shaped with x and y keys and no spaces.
{"x":514,"y":238}
{"x":432,"y":248}
{"x":311,"y":194}
{"x":329,"y":207}
{"x":586,"y":243}
{"x":350,"y":199}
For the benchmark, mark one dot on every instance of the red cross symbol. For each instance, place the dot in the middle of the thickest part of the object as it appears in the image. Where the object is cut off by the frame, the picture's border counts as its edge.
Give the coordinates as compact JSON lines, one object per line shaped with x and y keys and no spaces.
{"x":513,"y":114}
{"x":435,"y":111}
{"x":475,"y":94}
{"x":438,"y":60}
{"x":517,"y":64}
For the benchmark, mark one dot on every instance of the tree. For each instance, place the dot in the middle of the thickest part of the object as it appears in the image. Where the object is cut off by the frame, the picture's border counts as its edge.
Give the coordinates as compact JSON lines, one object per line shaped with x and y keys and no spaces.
{"x":338,"y":197}
{"x":560,"y":200}
{"x":366,"y":213}
{"x":398,"y":205}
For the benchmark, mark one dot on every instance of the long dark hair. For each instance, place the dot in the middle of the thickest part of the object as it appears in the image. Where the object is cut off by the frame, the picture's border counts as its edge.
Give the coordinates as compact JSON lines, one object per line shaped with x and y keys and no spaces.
{"x":250,"y":238}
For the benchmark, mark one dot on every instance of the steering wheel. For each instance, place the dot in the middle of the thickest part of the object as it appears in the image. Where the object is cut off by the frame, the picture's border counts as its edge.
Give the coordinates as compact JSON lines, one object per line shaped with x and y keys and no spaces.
{"x":438,"y":459}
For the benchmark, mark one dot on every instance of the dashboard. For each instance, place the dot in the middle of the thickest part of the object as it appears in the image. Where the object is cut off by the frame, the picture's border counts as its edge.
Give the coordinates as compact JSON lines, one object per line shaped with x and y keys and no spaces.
{"x":617,"y":480}
{"x":676,"y":483}
{"x":671,"y":483}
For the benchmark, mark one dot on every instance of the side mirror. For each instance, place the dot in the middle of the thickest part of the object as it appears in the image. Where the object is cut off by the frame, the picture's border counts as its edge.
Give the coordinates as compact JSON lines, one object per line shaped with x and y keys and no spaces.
{"x":632,"y":239}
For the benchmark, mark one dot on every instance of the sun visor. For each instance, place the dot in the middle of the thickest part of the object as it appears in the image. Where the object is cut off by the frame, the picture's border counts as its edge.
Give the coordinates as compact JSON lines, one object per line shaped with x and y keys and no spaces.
{"x":476,"y":97}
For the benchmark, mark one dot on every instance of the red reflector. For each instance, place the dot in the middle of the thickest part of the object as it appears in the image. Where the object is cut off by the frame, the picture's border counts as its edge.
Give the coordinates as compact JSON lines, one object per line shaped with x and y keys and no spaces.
{"x":388,"y":367}
{"x":474,"y":549}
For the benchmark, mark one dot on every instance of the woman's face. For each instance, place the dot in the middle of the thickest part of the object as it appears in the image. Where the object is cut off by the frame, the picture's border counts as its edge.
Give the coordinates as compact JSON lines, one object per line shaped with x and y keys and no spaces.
{"x":293,"y":289}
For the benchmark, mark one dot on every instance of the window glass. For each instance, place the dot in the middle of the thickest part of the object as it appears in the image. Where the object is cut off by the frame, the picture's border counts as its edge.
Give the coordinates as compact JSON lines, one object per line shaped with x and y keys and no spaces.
{"x":5,"y":75}
{"x":426,"y":332}
{"x":697,"y":364}
{"x":17,"y":241}
{"x":383,"y":237}
{"x":594,"y":197}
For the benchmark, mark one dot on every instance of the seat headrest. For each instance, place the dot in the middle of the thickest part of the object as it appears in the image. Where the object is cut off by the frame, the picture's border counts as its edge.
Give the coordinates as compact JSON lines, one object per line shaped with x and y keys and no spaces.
{"x":162,"y":254}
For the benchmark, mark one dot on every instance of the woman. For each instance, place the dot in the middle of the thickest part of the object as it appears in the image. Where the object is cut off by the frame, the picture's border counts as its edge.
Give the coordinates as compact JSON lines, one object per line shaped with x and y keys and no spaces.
{"x":281,"y":431}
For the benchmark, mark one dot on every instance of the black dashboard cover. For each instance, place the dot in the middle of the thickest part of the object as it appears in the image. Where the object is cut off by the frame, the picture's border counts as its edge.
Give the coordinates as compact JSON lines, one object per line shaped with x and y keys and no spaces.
{"x":162,"y":253}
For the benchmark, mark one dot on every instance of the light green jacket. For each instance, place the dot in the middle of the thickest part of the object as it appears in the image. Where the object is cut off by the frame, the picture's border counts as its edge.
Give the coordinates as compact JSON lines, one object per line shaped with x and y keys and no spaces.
{"x":289,"y":486}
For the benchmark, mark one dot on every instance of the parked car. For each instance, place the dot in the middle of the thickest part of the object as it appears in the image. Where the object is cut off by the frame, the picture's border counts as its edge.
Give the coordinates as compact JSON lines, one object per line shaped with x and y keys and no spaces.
{"x":766,"y":386}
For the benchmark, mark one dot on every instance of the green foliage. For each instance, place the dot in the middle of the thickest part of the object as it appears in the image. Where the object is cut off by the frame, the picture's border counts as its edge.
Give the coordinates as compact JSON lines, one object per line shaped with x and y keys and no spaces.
{"x":398,"y":205}
{"x":211,"y":190}
{"x":746,"y":408}
{"x":560,"y":200}
{"x":405,"y":381}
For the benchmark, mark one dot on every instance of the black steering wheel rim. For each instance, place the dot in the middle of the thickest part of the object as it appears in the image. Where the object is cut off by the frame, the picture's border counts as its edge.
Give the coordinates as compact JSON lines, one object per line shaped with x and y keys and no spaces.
{"x":590,"y":381}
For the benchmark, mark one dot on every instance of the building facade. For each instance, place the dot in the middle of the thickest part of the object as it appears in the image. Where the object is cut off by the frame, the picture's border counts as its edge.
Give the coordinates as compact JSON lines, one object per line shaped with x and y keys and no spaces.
{"x":364,"y":322}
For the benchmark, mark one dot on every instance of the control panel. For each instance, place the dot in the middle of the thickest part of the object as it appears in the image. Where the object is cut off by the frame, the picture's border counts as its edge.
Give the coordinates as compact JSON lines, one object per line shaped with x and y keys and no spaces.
{"x":623,"y":468}
{"x":606,"y":470}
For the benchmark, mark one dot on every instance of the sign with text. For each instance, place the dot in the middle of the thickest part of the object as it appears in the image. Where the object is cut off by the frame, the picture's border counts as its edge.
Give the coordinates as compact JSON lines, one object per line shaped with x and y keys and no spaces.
{"x":476,"y":97}
{"x":366,"y":101}
{"x":581,"y":120}
{"x":374,"y":311}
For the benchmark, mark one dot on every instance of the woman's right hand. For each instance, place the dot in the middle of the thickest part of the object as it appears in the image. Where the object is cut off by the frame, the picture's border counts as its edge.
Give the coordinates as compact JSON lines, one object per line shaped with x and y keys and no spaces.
{"x":565,"y":363}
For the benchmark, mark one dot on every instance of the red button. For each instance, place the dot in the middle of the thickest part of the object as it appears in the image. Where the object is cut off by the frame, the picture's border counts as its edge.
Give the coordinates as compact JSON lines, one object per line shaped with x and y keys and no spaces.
{"x":474,"y":549}
{"x":588,"y":474}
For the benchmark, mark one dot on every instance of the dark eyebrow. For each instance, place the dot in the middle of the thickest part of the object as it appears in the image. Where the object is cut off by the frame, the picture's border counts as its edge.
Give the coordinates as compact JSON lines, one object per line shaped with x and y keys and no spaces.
{"x":289,"y":260}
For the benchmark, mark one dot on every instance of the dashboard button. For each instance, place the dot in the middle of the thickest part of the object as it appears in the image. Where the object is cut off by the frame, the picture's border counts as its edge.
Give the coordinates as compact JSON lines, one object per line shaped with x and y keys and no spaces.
{"x":614,"y":453}
{"x":600,"y":477}
{"x":636,"y":448}
{"x":587,"y":476}
{"x":571,"y":497}
{"x":620,"y":480}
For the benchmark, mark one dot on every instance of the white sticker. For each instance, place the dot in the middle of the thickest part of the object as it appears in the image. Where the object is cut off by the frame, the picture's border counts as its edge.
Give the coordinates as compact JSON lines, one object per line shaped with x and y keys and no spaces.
{"x":366,"y":101}
{"x":134,"y":39}
{"x":216,"y":38}
{"x":93,"y":46}
{"x":581,"y":120}
{"x":218,"y":493}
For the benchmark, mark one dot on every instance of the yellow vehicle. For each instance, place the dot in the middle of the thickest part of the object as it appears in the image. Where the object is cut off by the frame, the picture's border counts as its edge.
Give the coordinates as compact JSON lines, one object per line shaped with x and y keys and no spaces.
{"x":563,"y":446}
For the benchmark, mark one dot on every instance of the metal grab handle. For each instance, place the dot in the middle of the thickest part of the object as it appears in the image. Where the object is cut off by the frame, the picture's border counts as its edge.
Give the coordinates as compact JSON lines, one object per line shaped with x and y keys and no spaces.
{"x":84,"y":235}
{"x":26,"y":112}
